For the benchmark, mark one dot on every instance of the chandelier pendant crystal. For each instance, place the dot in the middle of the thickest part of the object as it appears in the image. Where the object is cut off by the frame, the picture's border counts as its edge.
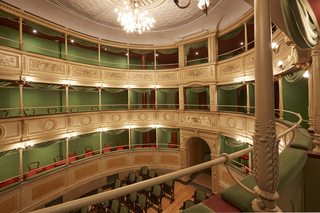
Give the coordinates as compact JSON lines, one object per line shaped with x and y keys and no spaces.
{"x":133,"y":18}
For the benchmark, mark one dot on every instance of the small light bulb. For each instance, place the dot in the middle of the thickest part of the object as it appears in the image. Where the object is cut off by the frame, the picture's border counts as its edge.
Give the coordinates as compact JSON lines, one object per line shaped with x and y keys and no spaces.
{"x":116,"y":10}
{"x":241,"y":43}
{"x":196,"y":53}
{"x":34,"y":31}
{"x":72,"y":40}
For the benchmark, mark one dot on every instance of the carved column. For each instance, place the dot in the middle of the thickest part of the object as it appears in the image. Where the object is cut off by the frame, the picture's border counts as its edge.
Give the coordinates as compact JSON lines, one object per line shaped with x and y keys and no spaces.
{"x":245,"y":37}
{"x":213,"y":48}
{"x":311,"y":95}
{"x":184,"y":155}
{"x":100,"y":98}
{"x":21,"y":99}
{"x":67,"y":150}
{"x":66,"y":46}
{"x":316,"y":98}
{"x":181,"y":98}
{"x":213,"y":97}
{"x":20,"y":33}
{"x":248,"y":96}
{"x":280,"y":97}
{"x":265,"y":151}
{"x":214,"y":145}
{"x":250,"y":158}
{"x":99,"y":58}
{"x":182,"y":56}
{"x":20,"y":165}
{"x":67,"y":97}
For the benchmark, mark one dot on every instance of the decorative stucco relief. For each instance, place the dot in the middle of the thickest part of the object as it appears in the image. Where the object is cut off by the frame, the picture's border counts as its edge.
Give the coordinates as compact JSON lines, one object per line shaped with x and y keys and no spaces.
{"x":38,"y":65}
{"x":85,"y":120}
{"x":230,"y":68}
{"x":168,"y":116}
{"x":250,"y":62}
{"x":8,"y":60}
{"x":48,"y":125}
{"x":195,"y":73}
{"x":85,"y":72}
{"x":116,"y":117}
{"x":167,"y":76}
{"x":197,"y":121}
{"x":115,"y":75}
{"x":231,"y":122}
{"x":142,"y":77}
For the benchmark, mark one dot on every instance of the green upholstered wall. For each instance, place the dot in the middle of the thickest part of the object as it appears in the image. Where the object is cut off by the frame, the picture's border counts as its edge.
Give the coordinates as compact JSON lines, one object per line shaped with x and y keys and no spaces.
{"x":295,"y":98}
{"x":83,"y":98}
{"x":9,"y":98}
{"x":79,"y":143}
{"x":74,"y":51}
{"x":136,"y":138}
{"x":108,"y":98}
{"x":124,"y":137}
{"x":165,"y":138}
{"x":11,"y":34}
{"x":251,"y":96}
{"x":227,"y":97}
{"x":116,"y":61}
{"x":9,"y":165}
{"x":165,"y":98}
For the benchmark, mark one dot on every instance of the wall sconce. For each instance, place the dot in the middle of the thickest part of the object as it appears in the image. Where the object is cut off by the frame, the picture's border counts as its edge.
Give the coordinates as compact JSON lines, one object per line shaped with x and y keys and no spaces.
{"x":275,"y":47}
{"x":155,"y":126}
{"x":202,"y":4}
{"x":239,"y":80}
{"x":25,"y":145}
{"x":71,"y":135}
{"x":154,"y":87}
{"x":280,"y":65}
{"x":129,"y":87}
{"x":102,"y":130}
{"x":129,"y":127}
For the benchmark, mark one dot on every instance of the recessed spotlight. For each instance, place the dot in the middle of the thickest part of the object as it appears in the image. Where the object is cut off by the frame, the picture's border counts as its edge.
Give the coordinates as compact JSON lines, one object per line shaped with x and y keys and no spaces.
{"x":105,"y":48}
{"x":34,"y":31}
{"x":126,"y":53}
{"x":196,"y":53}
{"x":241,"y":43}
{"x":157,"y":54}
{"x":72,"y":40}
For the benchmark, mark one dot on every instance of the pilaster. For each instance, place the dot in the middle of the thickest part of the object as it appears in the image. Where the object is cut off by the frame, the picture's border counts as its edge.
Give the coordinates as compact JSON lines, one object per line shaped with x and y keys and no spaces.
{"x":280,"y":78}
{"x":315,"y":53}
{"x":213,"y":97}
{"x":311,"y":97}
{"x":181,"y":98}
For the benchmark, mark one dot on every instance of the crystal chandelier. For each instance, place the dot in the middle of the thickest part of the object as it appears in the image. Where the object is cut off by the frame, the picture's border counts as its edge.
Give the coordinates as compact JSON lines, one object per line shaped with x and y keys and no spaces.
{"x":133,"y":19}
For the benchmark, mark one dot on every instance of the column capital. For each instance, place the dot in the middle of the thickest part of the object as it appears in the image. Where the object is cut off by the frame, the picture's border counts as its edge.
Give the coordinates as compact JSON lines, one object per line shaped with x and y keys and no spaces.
{"x":316,"y":50}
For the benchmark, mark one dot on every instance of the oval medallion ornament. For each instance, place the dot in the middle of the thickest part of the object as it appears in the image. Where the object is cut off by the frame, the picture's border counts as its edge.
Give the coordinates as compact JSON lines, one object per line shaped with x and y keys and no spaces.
{"x":116,"y":117}
{"x":142,"y":117}
{"x":86,"y":120}
{"x":168,"y":117}
{"x":2,"y":132}
{"x":231,"y":122}
{"x":49,"y":125}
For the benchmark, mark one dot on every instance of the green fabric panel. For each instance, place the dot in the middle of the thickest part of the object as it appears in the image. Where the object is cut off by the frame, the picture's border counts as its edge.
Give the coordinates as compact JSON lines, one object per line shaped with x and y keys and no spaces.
{"x":9,"y":165}
{"x":10,"y":98}
{"x":134,"y":97}
{"x":115,"y":131}
{"x":84,"y":89}
{"x":5,"y":83}
{"x":168,"y":51}
{"x":251,"y":97}
{"x":9,"y":186}
{"x":82,"y":42}
{"x":43,"y":29}
{"x":48,"y":143}
{"x":295,"y":99}
{"x":108,"y":98}
{"x":304,"y":36}
{"x":197,"y":89}
{"x":136,"y":137}
{"x":42,"y":98}
{"x":33,"y":43}
{"x":230,"y":55}
{"x":202,"y":61}
{"x":142,"y":52}
{"x":147,"y":129}
{"x":199,"y":208}
{"x":4,"y":14}
{"x":44,"y":86}
{"x":11,"y":34}
{"x":196,"y":46}
{"x":192,"y":98}
{"x":4,"y":153}
{"x":169,"y":90}
{"x":170,"y":130}
{"x":114,"y":90}
{"x":231,"y":34}
{"x":83,"y":98}
{"x":231,"y":86}
{"x":45,"y":156}
{"x":80,"y":142}
{"x":85,"y":55}
{"x":227,"y":97}
{"x":45,"y":172}
{"x":142,"y":90}
{"x":113,"y":139}
{"x":114,"y":49}
{"x":109,"y":60}
{"x":294,"y":77}
{"x":232,"y":142}
{"x":291,"y":163}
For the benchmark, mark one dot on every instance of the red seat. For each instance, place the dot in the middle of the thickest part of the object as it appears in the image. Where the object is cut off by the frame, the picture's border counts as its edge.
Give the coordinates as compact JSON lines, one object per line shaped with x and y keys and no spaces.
{"x":146,"y":146}
{"x":36,"y":169}
{"x":46,"y":168}
{"x":120,"y":148}
{"x":31,"y":173}
{"x":106,"y":150}
{"x":88,"y":155}
{"x":137,"y":147}
{"x":171,"y":145}
{"x":72,"y":159}
{"x":59,"y":163}
{"x":153,"y":146}
{"x":59,"y":160}
{"x":89,"y":149}
{"x":7,"y":182}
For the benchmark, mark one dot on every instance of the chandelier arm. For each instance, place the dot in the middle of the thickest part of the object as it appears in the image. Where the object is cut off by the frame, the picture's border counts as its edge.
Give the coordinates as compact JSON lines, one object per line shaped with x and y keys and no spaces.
{"x":181,"y":7}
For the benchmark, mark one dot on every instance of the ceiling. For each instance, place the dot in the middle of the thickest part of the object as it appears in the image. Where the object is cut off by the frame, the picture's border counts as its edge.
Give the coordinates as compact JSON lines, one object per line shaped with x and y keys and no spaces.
{"x":99,"y":19}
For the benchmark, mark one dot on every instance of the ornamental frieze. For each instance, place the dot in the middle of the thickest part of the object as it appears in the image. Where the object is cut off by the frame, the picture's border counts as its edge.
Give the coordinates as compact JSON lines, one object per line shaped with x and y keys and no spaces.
{"x":142,"y":77}
{"x":43,"y":66}
{"x":250,"y":62}
{"x":229,"y":68}
{"x":8,"y":61}
{"x":195,"y":73}
{"x":85,"y":73}
{"x":167,"y":76}
{"x":115,"y":75}
{"x":196,"y":121}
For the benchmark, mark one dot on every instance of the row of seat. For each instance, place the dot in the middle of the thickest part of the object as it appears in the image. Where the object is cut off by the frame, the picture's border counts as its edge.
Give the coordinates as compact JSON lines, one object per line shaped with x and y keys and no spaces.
{"x":198,"y":197}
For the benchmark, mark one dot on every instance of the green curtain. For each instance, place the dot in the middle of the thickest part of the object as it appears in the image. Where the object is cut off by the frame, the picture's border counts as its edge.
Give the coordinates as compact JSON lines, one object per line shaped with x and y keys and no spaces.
{"x":4,"y":14}
{"x":231,"y":86}
{"x":48,"y":143}
{"x":197,"y":89}
{"x":169,"y":90}
{"x":114,"y":49}
{"x":115,"y":131}
{"x":196,"y":46}
{"x":142,"y":129}
{"x":141,"y":51}
{"x":299,"y":24}
{"x":5,"y":83}
{"x":142,"y":90}
{"x":114,"y":90}
{"x":85,"y":135}
{"x":232,"y":142}
{"x":45,"y":86}
{"x":251,"y":21}
{"x":170,"y":130}
{"x":168,"y":51}
{"x":84,"y":89}
{"x":43,"y":29}
{"x":231,"y":34}
{"x":294,"y":76}
{"x":82,"y":42}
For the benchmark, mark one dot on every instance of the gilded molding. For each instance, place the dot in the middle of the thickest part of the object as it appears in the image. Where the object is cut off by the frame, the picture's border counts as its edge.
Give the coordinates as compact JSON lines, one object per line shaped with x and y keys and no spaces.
{"x":115,"y":75}
{"x":142,"y":77}
{"x":195,"y":73}
{"x":167,"y":76}
{"x":9,"y":61}
{"x":229,"y":68}
{"x":39,"y":65}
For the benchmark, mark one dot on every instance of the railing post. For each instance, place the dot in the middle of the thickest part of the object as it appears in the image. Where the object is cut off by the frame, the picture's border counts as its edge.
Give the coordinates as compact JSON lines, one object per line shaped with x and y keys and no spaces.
{"x":280,"y":77}
{"x":311,"y":95}
{"x":20,"y":164}
{"x":99,"y":58}
{"x":130,"y":142}
{"x":248,"y":96}
{"x":20,"y":33}
{"x":265,"y":144}
{"x":67,"y":97}
{"x":66,"y":46}
{"x":21,"y":98}
{"x":100,"y":98}
{"x":315,"y":53}
{"x":67,"y":150}
{"x":245,"y":37}
{"x":100,"y":133}
{"x":181,"y":98}
{"x":182,"y":56}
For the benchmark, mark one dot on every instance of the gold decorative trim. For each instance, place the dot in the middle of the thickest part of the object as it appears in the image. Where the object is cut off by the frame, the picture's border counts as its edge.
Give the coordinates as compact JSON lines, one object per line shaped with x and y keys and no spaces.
{"x":48,"y":125}
{"x":2,"y":132}
{"x":231,"y":122}
{"x":85,"y":120}
{"x":7,"y":60}
{"x":116,"y":119}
